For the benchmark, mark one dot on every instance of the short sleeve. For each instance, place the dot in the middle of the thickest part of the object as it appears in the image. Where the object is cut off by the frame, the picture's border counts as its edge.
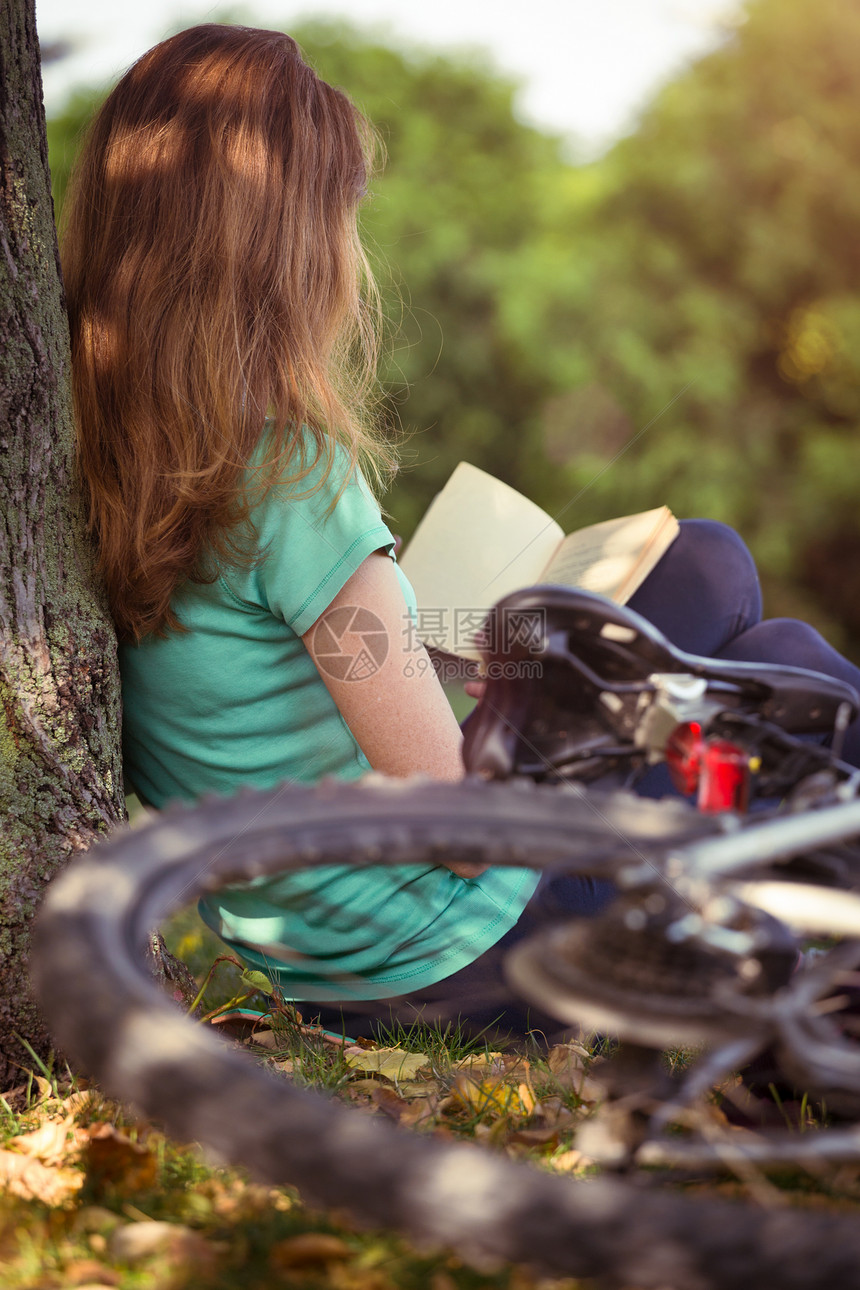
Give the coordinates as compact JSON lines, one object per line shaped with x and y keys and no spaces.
{"x":310,"y":549}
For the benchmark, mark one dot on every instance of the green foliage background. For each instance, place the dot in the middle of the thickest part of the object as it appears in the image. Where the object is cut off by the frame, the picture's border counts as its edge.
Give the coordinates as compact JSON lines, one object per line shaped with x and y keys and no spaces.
{"x":677,"y":321}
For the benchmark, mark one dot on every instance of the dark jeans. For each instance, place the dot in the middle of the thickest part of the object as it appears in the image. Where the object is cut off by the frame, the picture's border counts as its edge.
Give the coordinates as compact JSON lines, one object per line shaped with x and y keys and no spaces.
{"x":704,"y":595}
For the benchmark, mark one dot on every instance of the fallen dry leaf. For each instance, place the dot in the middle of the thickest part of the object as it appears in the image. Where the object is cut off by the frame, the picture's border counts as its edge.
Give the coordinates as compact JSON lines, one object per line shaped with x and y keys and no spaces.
{"x":391,"y":1063}
{"x":517,"y":1068}
{"x":494,"y":1097}
{"x":265,"y":1039}
{"x":480,"y":1065}
{"x":77,"y":1101}
{"x":113,"y":1159}
{"x":307,"y":1249}
{"x":35,"y":1165}
{"x":534,"y":1139}
{"x":570,"y":1064}
{"x":388,"y":1101}
{"x":27,"y":1177}
{"x":48,"y":1143}
{"x":590,"y":1092}
{"x":286,"y":1067}
{"x":409,"y":1113}
{"x":570,"y":1161}
{"x":95,"y":1285}
{"x":359,"y":1089}
{"x":45,"y":1087}
{"x":419,"y":1088}
{"x":84,"y":1272}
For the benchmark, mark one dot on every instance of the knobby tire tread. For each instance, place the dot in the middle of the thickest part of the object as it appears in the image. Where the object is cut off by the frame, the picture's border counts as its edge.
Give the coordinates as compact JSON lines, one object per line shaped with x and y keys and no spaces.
{"x":109,"y":1018}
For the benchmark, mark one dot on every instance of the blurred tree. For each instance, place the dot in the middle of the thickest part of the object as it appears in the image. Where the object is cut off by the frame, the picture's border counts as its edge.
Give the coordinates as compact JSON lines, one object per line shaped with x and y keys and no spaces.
{"x":724,"y":254}
{"x":678,"y":321}
{"x":460,"y":193}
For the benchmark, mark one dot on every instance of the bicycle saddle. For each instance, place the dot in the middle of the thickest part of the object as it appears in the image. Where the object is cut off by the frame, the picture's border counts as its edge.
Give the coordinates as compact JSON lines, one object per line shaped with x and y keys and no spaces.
{"x":568,"y":670}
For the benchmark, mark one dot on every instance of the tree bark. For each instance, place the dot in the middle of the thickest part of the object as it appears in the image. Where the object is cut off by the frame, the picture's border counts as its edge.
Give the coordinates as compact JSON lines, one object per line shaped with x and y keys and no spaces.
{"x":60,"y":771}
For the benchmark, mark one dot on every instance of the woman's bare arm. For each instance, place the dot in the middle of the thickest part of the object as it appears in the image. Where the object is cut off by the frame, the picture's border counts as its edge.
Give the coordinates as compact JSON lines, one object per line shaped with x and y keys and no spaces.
{"x":394,"y":706}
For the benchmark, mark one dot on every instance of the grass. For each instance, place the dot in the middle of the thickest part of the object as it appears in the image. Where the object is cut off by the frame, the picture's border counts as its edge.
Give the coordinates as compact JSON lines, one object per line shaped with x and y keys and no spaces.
{"x":94,"y":1182}
{"x":444,"y":1046}
{"x":86,"y":1182}
{"x":224,"y":1232}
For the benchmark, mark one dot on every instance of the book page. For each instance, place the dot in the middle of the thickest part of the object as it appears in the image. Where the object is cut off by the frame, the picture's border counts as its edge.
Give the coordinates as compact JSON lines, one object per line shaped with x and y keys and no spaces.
{"x":479,"y":540}
{"x":615,"y":557}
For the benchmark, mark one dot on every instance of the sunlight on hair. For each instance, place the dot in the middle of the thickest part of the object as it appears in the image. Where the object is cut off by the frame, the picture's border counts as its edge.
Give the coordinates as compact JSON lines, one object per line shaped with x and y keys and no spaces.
{"x":221,"y":305}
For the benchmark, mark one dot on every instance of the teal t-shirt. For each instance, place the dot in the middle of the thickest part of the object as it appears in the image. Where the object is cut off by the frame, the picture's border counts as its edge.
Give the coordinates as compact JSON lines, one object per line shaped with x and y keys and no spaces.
{"x":237,"y":700}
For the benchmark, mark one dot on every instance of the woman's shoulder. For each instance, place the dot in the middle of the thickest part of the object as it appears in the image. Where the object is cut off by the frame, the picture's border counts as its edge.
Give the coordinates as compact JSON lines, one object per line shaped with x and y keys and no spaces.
{"x":292,"y":464}
{"x":313,"y":483}
{"x":314,"y":522}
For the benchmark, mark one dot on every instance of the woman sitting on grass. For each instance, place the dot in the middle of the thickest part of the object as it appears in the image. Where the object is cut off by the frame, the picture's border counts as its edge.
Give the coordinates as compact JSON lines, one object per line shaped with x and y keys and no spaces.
{"x":222,"y":317}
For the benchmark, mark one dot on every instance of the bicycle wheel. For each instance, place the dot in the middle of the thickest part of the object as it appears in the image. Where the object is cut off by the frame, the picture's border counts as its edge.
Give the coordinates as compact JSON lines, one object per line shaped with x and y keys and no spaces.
{"x":109,"y":1017}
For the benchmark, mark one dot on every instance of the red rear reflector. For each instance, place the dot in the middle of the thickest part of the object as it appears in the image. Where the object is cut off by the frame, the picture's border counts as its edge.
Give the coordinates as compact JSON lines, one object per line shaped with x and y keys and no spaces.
{"x":715,"y":769}
{"x":684,"y":749}
{"x":725,"y":778}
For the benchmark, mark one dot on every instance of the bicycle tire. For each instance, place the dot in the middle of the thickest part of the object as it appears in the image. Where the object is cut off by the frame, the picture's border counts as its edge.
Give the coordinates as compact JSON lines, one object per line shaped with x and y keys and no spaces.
{"x":110,"y":1019}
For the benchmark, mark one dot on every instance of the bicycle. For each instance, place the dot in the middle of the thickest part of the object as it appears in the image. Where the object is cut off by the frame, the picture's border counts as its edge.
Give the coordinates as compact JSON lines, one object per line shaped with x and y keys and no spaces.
{"x":695,"y":950}
{"x":685,"y":910}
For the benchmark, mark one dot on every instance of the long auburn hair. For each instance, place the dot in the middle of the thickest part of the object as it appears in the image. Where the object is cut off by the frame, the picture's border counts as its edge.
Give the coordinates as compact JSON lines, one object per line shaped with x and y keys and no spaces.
{"x":216,"y":283}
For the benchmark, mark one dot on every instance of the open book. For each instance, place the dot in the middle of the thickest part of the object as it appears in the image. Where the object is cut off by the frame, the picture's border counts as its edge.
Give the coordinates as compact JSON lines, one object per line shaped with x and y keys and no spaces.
{"x":481,"y":540}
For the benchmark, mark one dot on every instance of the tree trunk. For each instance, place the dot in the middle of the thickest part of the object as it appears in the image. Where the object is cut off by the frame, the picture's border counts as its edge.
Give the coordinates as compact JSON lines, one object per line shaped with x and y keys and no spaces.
{"x":60,"y":772}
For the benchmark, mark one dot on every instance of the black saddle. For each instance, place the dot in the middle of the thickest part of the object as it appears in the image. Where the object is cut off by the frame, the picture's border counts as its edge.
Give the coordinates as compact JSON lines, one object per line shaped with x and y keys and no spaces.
{"x":568,"y":671}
